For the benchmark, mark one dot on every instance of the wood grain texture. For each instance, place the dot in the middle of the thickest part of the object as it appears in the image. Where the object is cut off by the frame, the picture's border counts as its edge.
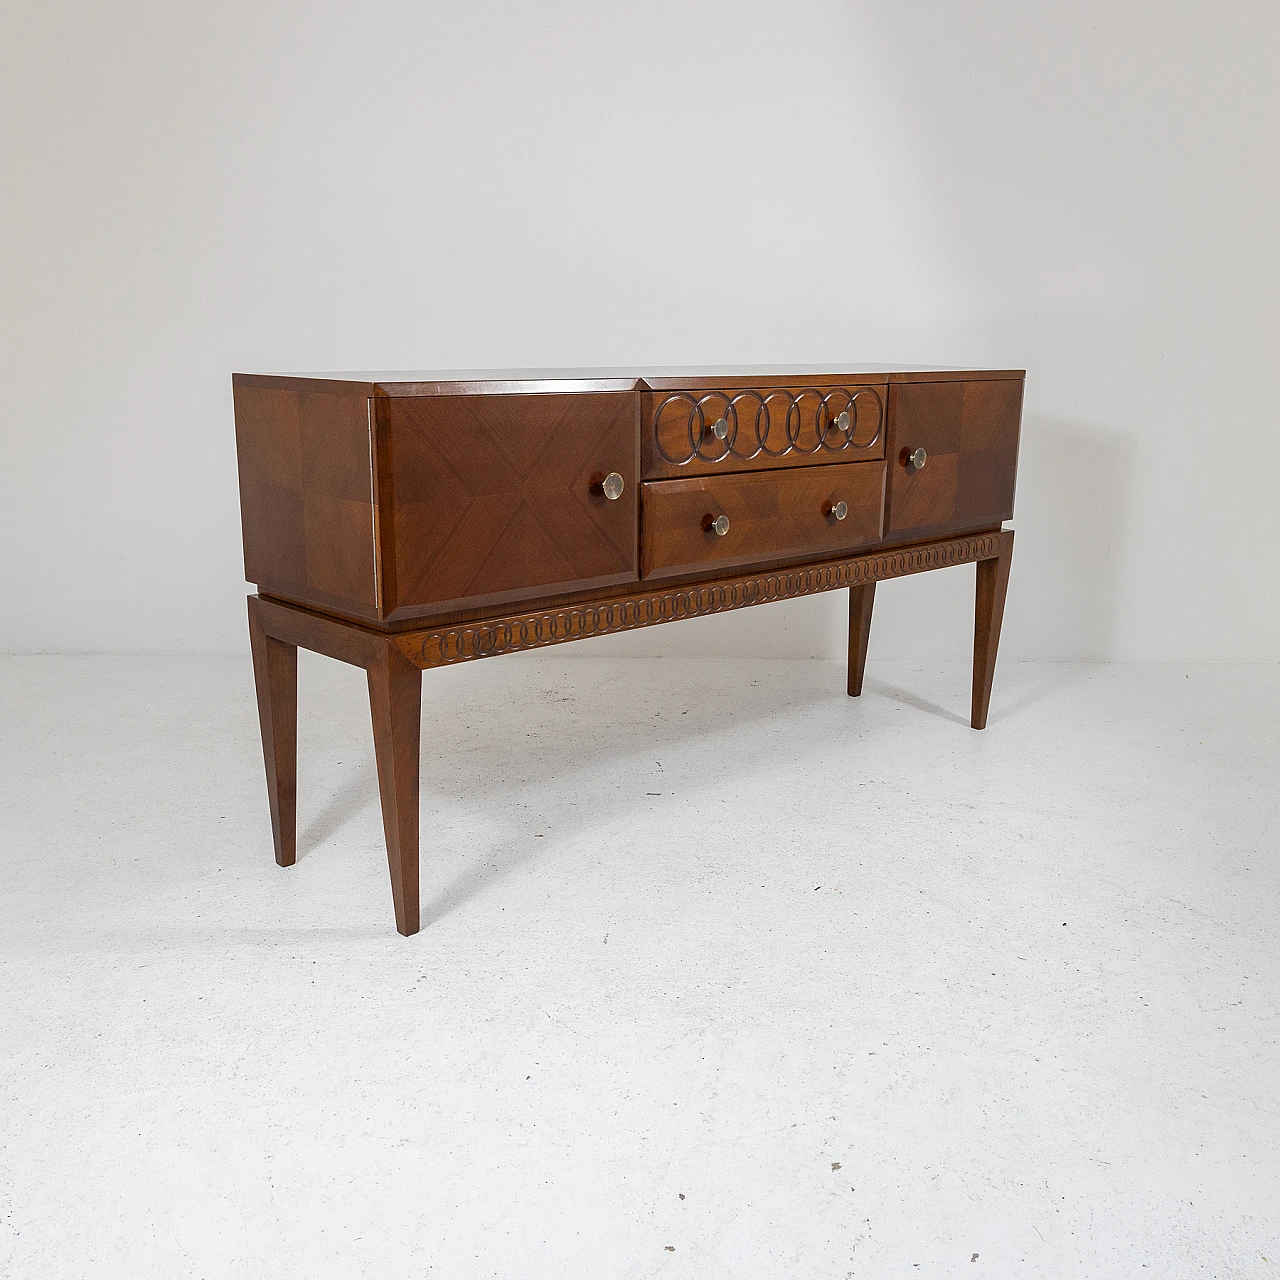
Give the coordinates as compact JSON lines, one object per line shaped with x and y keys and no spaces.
{"x":861,"y":602}
{"x":772,"y":516}
{"x":395,"y":702}
{"x":275,"y":673}
{"x":993,"y":583}
{"x":970,"y":431}
{"x":490,"y":500}
{"x":516,"y":632}
{"x":765,"y":428}
{"x":306,"y":494}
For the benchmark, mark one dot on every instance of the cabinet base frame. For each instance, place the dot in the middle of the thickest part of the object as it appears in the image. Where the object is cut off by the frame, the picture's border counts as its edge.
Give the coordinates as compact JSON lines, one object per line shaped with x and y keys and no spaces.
{"x":394,"y":662}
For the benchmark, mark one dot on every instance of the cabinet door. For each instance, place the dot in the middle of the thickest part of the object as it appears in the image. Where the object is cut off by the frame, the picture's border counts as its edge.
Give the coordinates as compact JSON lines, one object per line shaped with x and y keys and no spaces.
{"x":497,"y":498}
{"x":969,"y":432}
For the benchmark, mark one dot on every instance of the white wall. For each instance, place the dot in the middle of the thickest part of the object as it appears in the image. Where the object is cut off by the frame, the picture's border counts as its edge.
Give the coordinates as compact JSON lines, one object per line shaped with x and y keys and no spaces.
{"x":1087,"y":190}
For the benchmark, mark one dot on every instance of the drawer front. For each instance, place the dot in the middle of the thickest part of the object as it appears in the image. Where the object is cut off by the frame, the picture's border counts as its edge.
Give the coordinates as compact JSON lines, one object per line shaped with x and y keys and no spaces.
{"x":777,"y":515}
{"x":491,"y":499}
{"x":969,"y":431}
{"x":705,"y":432}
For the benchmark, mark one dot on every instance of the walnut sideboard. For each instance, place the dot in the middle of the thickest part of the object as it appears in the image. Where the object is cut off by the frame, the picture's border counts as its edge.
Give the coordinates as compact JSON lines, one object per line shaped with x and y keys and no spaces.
{"x":412,"y":520}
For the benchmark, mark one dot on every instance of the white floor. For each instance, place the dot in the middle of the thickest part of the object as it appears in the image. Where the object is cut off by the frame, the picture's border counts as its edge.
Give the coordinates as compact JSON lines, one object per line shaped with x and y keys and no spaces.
{"x":722,"y":974}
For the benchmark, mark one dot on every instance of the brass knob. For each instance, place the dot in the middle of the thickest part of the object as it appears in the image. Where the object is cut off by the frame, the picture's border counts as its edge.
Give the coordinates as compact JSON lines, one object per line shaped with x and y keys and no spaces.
{"x":839,"y":510}
{"x":917,"y":460}
{"x":719,"y":525}
{"x":842,"y":421}
{"x":720,"y":428}
{"x":613,"y":485}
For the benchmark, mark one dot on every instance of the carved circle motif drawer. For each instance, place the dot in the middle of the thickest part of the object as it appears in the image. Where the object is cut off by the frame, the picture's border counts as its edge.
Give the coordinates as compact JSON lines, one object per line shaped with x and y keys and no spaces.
{"x":699,"y":432}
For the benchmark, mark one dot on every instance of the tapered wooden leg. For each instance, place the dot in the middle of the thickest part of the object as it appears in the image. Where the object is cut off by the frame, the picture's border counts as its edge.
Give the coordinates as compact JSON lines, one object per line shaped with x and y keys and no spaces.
{"x":275,"y":672}
{"x":861,"y":600}
{"x":395,"y":698}
{"x":993,"y":582}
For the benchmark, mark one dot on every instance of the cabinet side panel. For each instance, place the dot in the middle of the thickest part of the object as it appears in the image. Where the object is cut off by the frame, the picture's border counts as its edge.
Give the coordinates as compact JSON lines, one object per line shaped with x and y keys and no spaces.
{"x":306,"y":495}
{"x":990,"y":433}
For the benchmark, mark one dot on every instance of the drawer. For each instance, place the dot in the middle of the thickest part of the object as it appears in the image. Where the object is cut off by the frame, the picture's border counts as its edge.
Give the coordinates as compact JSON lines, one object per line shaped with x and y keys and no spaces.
{"x":969,"y":432}
{"x":767,"y":515}
{"x":705,"y":432}
{"x":487,"y":500}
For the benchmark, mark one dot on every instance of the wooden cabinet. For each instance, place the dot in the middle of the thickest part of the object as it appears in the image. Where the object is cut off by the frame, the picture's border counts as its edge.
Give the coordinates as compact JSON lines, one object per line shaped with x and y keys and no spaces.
{"x":410,"y":521}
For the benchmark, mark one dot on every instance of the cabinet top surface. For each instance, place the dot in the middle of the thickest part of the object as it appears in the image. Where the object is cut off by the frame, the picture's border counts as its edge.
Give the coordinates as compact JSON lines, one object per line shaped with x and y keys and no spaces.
{"x":489,"y":381}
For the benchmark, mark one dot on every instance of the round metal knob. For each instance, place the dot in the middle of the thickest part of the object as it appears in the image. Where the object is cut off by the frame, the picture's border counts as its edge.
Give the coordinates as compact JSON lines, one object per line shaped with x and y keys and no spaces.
{"x":720,"y":428}
{"x":916,"y":461}
{"x":843,"y":420}
{"x":839,"y":510}
{"x":719,"y":525}
{"x":613,"y":486}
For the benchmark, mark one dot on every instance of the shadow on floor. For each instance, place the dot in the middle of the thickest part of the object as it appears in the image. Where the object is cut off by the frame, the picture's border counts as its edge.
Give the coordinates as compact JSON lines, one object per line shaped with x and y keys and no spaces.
{"x":351,"y":797}
{"x":897,"y":694}
{"x":537,"y":743}
{"x":478,"y":735}
{"x":1002,"y":708}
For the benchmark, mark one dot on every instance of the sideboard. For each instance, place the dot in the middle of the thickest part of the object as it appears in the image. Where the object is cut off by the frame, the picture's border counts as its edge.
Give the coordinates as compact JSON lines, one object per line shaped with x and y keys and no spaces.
{"x":405,"y":521}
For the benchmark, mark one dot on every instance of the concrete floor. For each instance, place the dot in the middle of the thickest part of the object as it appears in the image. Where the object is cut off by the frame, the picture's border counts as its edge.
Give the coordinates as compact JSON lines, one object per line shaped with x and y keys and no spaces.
{"x":722,"y":974}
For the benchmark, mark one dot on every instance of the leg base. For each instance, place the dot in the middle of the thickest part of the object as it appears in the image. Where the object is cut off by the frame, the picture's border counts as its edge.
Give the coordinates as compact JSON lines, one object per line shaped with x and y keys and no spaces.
{"x":993,"y":583}
{"x":395,"y":700}
{"x":861,"y":601}
{"x":275,"y":673}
